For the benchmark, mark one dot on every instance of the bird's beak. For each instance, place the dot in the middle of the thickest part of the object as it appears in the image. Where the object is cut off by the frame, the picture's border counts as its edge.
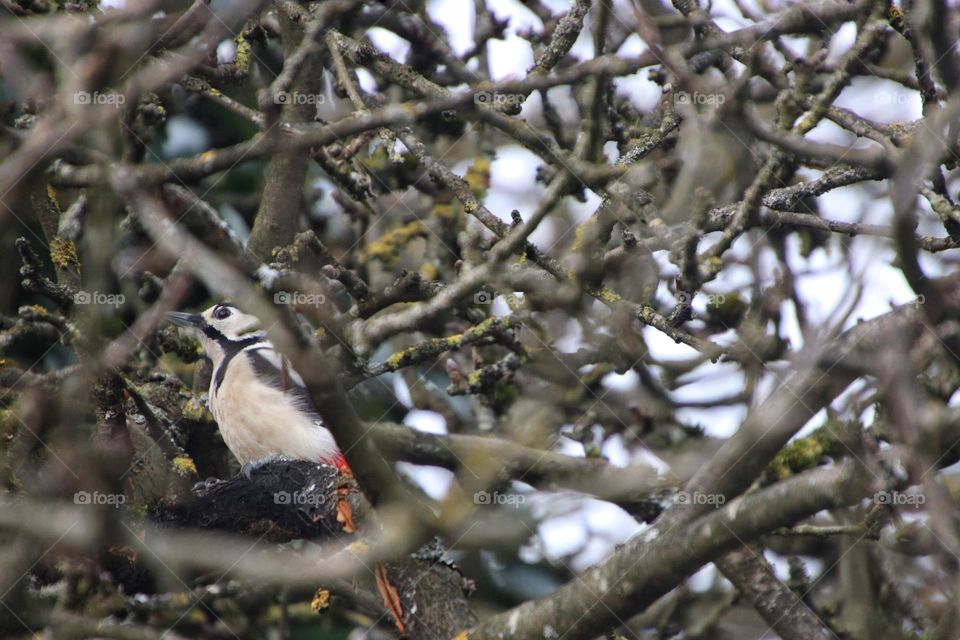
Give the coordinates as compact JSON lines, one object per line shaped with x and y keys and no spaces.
{"x":186,"y":320}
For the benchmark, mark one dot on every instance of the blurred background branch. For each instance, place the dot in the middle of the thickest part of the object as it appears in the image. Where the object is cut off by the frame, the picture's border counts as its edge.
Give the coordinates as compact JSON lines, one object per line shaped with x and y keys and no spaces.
{"x":603,"y":302}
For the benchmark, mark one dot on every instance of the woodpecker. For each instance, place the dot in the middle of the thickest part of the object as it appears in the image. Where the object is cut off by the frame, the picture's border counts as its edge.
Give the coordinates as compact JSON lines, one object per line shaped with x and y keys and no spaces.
{"x":259,"y":402}
{"x":261,"y":406}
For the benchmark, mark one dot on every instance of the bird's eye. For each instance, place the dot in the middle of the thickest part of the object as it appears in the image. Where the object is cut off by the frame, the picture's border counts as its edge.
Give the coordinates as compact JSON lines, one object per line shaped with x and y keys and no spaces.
{"x":221,"y":312}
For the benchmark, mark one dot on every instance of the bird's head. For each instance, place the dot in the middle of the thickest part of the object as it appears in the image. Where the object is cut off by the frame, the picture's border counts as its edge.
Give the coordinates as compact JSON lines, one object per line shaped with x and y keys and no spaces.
{"x":218,"y":326}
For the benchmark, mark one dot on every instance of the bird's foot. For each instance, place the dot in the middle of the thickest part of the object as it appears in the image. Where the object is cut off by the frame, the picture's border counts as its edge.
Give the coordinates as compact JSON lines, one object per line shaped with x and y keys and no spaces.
{"x":247,"y":468}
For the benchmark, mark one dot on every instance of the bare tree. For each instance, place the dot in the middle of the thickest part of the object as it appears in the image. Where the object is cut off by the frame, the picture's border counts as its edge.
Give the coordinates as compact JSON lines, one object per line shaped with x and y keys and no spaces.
{"x":632,"y":320}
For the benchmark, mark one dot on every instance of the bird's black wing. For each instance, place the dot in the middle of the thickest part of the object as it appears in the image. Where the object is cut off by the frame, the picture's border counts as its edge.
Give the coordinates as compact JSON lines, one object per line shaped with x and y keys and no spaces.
{"x":274,"y":369}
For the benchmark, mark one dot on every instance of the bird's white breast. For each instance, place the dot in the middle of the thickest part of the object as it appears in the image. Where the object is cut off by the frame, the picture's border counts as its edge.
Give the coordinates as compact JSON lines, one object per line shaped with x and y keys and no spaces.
{"x":258,"y":421}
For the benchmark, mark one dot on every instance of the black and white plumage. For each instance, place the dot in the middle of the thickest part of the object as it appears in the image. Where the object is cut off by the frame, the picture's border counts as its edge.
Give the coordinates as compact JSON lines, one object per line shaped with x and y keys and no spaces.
{"x":259,"y":402}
